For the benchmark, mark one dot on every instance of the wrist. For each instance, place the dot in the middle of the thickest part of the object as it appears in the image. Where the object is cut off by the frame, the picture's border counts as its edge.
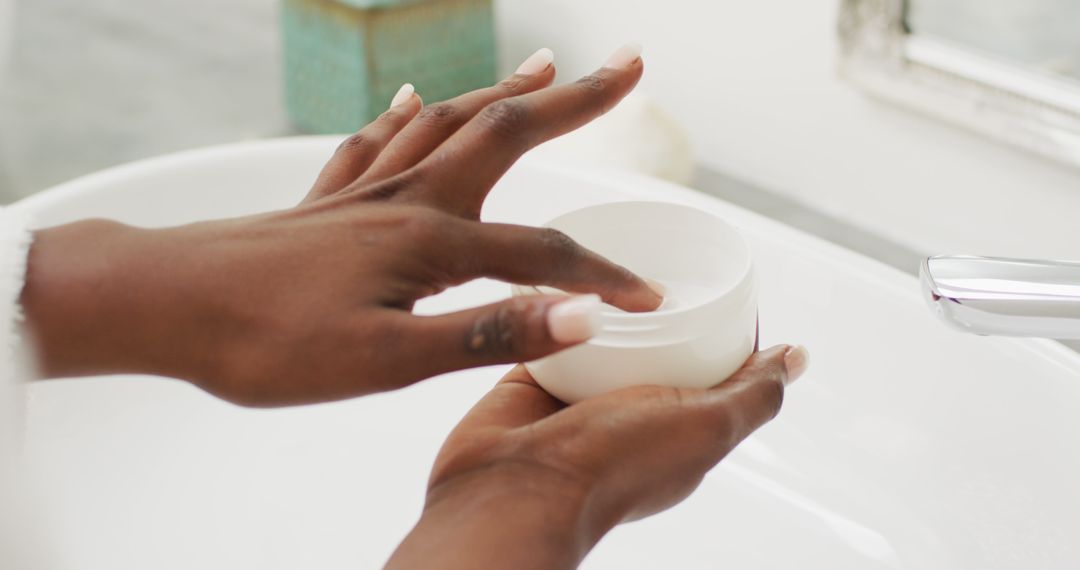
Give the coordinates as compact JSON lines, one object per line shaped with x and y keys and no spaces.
{"x":513,"y":516}
{"x":91,"y":301}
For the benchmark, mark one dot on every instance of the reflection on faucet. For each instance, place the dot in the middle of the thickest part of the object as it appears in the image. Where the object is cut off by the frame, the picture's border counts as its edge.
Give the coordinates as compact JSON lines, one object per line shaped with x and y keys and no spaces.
{"x":1005,"y":297}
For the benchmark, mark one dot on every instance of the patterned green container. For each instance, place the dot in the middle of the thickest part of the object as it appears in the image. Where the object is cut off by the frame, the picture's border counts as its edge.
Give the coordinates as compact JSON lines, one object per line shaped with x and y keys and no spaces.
{"x":345,"y":59}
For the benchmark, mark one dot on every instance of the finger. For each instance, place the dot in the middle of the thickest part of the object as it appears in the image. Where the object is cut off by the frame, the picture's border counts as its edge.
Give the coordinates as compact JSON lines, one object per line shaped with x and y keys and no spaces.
{"x":438,"y":121}
{"x":470,"y":162}
{"x":516,"y":401}
{"x":516,"y":330}
{"x":753,"y":395}
{"x":357,"y":153}
{"x":544,"y":256}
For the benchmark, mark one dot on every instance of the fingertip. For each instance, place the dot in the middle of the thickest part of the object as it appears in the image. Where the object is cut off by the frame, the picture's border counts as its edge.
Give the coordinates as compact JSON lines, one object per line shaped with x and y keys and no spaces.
{"x":414,"y":104}
{"x":523,"y":83}
{"x":770,"y":358}
{"x":787,"y":361}
{"x":629,"y":74}
{"x":403,"y":95}
{"x":647,"y":296}
{"x":575,"y":320}
{"x":547,"y":76}
{"x":625,"y":57}
{"x":657,"y":287}
{"x":518,"y":374}
{"x":796,"y":361}
{"x":402,"y":111}
{"x":536,"y":63}
{"x":772,"y":353}
{"x":659,"y":292}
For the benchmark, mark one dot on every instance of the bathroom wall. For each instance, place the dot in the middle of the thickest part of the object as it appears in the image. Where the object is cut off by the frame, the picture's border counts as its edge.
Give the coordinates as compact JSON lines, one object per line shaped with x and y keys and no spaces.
{"x":755,"y":85}
{"x":96,"y":83}
{"x":7,"y":19}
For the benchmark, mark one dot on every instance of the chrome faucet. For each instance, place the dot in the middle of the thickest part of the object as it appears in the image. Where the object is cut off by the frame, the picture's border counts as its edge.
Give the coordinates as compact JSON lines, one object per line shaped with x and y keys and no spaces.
{"x":1005,"y":297}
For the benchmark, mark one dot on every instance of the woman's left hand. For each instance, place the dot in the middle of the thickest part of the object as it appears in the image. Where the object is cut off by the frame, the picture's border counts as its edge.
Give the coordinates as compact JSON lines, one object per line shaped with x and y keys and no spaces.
{"x":526,"y":482}
{"x":314,"y":303}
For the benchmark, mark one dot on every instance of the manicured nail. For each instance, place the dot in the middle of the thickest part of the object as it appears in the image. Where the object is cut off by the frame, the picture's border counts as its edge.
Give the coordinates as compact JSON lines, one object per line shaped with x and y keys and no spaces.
{"x":624,"y":56}
{"x":796,"y":360}
{"x":657,"y":287}
{"x":403,"y":95}
{"x":576,"y":320}
{"x":536,"y":62}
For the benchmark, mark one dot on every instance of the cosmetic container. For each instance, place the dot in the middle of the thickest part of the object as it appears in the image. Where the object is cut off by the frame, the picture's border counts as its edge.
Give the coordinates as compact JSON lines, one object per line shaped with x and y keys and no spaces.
{"x":702,"y":333}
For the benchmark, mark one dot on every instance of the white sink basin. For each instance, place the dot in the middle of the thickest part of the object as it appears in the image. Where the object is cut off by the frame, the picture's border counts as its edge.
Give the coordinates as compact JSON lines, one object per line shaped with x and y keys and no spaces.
{"x":905,"y":446}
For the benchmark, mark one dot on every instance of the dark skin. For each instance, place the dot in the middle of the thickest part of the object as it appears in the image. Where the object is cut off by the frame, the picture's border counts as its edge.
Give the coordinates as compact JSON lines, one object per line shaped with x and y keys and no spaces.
{"x":314,"y":304}
{"x":526,"y":482}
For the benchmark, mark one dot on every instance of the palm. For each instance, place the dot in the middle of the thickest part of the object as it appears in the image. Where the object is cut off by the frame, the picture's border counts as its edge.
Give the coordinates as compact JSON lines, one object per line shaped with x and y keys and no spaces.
{"x":640,"y":450}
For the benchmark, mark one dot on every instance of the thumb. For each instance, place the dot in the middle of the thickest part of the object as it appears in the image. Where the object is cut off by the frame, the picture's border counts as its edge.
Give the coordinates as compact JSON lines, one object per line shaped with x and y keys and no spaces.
{"x":516,"y":330}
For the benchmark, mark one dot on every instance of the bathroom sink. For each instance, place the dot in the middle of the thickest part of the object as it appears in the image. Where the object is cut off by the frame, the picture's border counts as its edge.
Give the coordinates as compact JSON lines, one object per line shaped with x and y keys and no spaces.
{"x":907,"y":445}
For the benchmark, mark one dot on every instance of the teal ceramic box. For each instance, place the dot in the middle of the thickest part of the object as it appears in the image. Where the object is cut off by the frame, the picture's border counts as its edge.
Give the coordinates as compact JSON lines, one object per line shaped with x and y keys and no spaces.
{"x":345,"y":59}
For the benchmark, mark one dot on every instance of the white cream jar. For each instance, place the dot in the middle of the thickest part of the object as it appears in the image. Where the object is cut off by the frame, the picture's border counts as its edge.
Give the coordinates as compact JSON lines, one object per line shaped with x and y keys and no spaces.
{"x":704,"y":331}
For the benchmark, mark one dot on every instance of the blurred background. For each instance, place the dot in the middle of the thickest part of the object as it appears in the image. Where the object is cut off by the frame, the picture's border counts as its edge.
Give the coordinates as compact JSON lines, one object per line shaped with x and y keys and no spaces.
{"x":97,"y":83}
{"x":753,"y":85}
{"x":1042,"y":35}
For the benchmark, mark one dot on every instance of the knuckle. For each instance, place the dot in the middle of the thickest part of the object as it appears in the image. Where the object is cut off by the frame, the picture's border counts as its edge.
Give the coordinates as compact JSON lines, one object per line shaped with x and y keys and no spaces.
{"x":508,"y":117}
{"x":563,"y":246}
{"x":725,"y":423}
{"x":355,"y":142}
{"x":592,"y":82}
{"x":754,"y":405}
{"x":512,"y":83}
{"x":388,"y":116}
{"x":394,"y":115}
{"x":599,"y":98}
{"x":438,"y":114}
{"x":675,"y":398}
{"x":773,"y":398}
{"x":500,"y":333}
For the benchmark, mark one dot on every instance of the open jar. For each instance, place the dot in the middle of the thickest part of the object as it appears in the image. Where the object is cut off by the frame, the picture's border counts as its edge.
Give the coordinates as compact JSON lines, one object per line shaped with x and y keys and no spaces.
{"x":705,"y":329}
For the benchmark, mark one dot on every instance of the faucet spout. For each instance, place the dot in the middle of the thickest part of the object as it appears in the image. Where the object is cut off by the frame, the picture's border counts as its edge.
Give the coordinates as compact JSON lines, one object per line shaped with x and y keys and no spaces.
{"x":1005,"y":297}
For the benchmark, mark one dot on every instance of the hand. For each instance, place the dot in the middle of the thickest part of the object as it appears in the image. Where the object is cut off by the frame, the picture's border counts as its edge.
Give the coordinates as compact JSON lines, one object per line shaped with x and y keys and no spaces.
{"x":526,"y":482}
{"x":314,"y":303}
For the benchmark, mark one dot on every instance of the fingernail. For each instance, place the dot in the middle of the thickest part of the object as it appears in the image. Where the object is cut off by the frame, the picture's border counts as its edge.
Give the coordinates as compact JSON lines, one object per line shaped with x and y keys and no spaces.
{"x":796,"y":360}
{"x":576,"y":320}
{"x":624,"y":56}
{"x":657,"y":287}
{"x":403,"y":95}
{"x":536,"y":62}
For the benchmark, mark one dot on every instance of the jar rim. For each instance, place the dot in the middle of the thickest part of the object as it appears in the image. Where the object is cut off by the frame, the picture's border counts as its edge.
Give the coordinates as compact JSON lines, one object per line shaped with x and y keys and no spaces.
{"x":613,"y":316}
